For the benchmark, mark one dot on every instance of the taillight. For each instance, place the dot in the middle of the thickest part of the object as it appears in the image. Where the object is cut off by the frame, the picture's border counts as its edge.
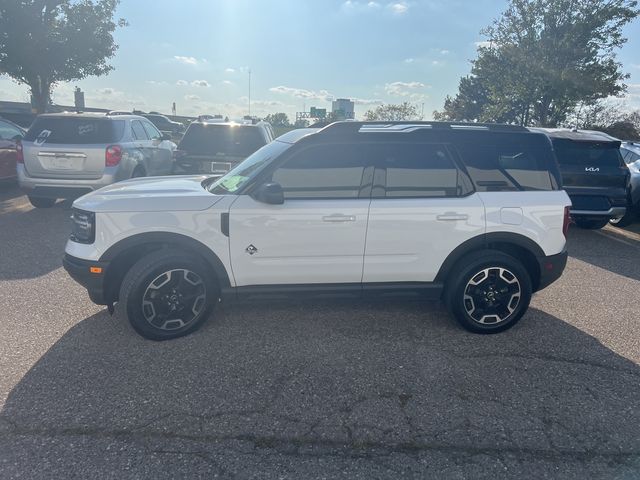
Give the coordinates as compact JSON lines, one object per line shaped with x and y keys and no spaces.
{"x":566,"y":221}
{"x":19,"y":152}
{"x":113,"y":155}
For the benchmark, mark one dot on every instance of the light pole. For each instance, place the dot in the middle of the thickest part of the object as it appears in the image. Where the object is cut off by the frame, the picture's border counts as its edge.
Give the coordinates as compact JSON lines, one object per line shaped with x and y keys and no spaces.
{"x":249,"y":92}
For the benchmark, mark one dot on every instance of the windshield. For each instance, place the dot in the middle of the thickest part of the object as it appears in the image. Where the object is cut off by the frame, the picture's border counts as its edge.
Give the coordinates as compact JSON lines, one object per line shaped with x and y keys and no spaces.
{"x":248,"y":169}
{"x":232,"y":140}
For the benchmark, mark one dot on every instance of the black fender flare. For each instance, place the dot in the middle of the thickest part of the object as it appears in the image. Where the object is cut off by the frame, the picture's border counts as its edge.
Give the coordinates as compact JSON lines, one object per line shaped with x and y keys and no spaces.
{"x":482,"y":242}
{"x":170,"y":238}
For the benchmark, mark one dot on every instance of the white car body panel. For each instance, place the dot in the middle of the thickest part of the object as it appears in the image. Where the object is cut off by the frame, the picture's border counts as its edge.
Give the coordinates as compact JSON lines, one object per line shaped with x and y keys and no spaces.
{"x":408,"y":239}
{"x":541,"y":217}
{"x":301,"y":241}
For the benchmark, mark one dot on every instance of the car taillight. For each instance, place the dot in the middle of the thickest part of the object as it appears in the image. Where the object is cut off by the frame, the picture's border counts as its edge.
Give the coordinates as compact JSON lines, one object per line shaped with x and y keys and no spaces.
{"x":19,"y":152}
{"x":113,"y":155}
{"x":566,"y":221}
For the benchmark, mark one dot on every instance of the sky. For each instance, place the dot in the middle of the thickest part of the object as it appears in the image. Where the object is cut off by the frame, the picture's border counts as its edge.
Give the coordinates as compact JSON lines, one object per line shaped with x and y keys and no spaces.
{"x":301,"y":53}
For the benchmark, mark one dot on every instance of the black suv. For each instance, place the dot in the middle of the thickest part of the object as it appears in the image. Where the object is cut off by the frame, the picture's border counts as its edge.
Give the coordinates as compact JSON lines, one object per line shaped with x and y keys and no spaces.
{"x":164,"y":124}
{"x":215,"y":147}
{"x":593,"y":174}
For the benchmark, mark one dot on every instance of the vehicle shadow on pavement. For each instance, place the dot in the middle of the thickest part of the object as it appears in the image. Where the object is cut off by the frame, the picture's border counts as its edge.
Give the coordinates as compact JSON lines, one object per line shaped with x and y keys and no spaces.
{"x":32,"y":239}
{"x":326,"y":390}
{"x":606,"y":249}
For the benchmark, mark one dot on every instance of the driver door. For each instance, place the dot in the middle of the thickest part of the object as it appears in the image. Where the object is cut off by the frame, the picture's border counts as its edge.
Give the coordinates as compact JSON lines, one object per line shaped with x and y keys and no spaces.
{"x":317,"y":236}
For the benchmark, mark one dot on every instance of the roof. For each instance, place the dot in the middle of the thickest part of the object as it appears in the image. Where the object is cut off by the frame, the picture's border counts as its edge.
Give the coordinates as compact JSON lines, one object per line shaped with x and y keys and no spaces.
{"x":577,"y":135}
{"x":92,"y":115}
{"x":635,"y":146}
{"x":294,"y":135}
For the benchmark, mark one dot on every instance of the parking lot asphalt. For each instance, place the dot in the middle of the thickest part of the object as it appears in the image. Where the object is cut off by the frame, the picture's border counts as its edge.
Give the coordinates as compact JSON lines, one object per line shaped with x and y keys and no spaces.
{"x":317,"y":390}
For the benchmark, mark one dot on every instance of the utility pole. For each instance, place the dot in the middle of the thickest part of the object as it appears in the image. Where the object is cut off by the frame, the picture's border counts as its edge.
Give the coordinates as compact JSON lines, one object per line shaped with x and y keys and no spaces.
{"x":249,"y":92}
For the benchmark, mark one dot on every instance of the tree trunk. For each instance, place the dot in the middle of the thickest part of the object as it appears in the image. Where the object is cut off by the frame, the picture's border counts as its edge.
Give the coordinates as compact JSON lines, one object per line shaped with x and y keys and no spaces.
{"x":41,"y":92}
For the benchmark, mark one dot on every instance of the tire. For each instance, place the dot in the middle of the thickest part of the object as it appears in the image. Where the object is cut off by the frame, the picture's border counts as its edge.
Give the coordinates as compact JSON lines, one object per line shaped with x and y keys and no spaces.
{"x":479,"y":279}
{"x":40,"y":202}
{"x":625,"y":221}
{"x":138,"y":172}
{"x":591,"y":224}
{"x":168,"y":294}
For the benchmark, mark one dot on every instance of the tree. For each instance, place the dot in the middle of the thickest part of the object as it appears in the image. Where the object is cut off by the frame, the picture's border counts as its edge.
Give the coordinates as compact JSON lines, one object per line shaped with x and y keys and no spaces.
{"x":393,"y":113}
{"x":43,"y":42}
{"x":278,"y":120}
{"x":543,"y":59}
{"x":611,"y":118}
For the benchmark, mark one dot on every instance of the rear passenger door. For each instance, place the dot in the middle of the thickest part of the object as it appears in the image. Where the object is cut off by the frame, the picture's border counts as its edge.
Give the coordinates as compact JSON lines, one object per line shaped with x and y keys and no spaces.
{"x":422,"y":207}
{"x":144,"y":145}
{"x":162,"y":153}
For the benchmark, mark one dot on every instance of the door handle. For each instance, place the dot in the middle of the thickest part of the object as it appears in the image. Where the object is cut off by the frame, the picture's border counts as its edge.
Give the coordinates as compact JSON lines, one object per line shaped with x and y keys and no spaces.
{"x":339,"y":218}
{"x":452,"y":217}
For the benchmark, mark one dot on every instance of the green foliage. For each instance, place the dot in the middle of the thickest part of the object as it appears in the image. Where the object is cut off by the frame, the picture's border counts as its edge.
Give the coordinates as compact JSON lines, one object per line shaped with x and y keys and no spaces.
{"x":393,"y":113}
{"x":544,"y":58}
{"x":608,"y":117}
{"x":278,"y":120}
{"x":43,"y":42}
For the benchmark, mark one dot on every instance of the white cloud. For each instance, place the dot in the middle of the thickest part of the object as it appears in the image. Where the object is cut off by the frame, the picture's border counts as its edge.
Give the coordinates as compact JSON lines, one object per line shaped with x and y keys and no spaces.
{"x":200,"y":83}
{"x":403,"y":89}
{"x":229,"y":70}
{"x":191,"y":98}
{"x":302,"y":93}
{"x":436,"y":63}
{"x":398,"y":8}
{"x":156,"y":82}
{"x":186,"y":60}
{"x":482,"y":44}
{"x":366,"y":101}
{"x":182,"y":83}
{"x":444,"y":52}
{"x":227,"y":82}
{"x":107,"y":91}
{"x":409,"y":60}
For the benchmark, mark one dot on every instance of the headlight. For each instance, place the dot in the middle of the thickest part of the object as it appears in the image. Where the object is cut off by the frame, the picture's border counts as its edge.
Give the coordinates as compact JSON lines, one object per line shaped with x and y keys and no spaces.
{"x":83,"y":226}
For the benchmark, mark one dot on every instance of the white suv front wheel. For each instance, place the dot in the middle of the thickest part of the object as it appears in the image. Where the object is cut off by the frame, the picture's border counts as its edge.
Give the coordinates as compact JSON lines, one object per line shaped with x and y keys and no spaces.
{"x":168,"y":294}
{"x":488,"y":291}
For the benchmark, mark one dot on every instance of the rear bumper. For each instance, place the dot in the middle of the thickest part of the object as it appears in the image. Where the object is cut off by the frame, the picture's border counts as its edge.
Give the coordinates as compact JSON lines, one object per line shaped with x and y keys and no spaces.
{"x":80,"y":271}
{"x":62,"y":187}
{"x":551,"y":268}
{"x":613,"y":212}
{"x":597,"y":202}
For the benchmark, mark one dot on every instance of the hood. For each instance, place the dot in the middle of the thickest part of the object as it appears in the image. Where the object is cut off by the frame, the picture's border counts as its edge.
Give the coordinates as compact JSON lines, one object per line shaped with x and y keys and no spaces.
{"x":150,"y":194}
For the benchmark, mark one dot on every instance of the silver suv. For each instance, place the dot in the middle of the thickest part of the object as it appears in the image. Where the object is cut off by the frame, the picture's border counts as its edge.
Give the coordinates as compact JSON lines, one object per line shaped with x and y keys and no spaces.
{"x":67,"y":155}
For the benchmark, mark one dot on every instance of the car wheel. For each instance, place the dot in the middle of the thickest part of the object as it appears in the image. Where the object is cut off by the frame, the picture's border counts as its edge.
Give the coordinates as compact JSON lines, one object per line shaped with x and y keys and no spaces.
{"x":168,"y":294}
{"x":40,"y":202}
{"x":138,"y":172}
{"x":591,"y":224}
{"x":625,"y":221}
{"x":488,"y":291}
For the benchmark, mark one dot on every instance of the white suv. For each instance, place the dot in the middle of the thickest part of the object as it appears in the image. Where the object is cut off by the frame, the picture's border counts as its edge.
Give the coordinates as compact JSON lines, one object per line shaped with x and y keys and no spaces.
{"x":469,"y":213}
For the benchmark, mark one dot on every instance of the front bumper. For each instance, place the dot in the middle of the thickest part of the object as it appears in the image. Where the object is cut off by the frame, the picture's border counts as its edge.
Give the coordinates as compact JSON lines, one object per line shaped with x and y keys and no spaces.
{"x":81,"y":271}
{"x":551,"y":268}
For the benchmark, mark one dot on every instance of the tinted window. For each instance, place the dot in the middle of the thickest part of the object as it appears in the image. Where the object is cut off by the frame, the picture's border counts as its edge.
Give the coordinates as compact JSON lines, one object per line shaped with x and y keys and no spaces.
{"x":75,"y":130}
{"x":152,"y":131}
{"x":138,"y":130}
{"x":587,"y":153}
{"x":323,"y":171}
{"x":240,"y":141}
{"x":417,"y":170}
{"x":507,"y":167}
{"x":8,"y":132}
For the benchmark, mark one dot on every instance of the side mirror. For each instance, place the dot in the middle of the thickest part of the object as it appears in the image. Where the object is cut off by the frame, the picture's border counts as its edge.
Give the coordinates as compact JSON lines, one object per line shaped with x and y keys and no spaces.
{"x":270,"y":193}
{"x":165,"y":136}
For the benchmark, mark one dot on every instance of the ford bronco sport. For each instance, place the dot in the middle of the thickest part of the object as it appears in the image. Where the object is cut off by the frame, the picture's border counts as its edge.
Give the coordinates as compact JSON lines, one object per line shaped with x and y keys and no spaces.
{"x":469,"y":213}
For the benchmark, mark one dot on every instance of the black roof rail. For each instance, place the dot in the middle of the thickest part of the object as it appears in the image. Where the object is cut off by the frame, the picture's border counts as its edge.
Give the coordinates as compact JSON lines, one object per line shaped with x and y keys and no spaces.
{"x":347,"y":127}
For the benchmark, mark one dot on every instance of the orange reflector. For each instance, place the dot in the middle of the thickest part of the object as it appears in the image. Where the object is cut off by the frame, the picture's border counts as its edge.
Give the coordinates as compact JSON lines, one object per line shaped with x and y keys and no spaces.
{"x":95,"y":269}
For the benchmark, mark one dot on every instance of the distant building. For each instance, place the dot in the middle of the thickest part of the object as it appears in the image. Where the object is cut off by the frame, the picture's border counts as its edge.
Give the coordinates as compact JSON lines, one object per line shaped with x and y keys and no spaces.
{"x":343,"y":108}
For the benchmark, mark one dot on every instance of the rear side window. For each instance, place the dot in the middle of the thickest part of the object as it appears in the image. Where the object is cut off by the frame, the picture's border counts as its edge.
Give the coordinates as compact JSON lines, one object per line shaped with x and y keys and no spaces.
{"x":151,"y":130}
{"x":138,"y":130}
{"x":82,"y":131}
{"x":587,"y":153}
{"x":416,"y":170}
{"x":504,"y":167}
{"x":240,"y":141}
